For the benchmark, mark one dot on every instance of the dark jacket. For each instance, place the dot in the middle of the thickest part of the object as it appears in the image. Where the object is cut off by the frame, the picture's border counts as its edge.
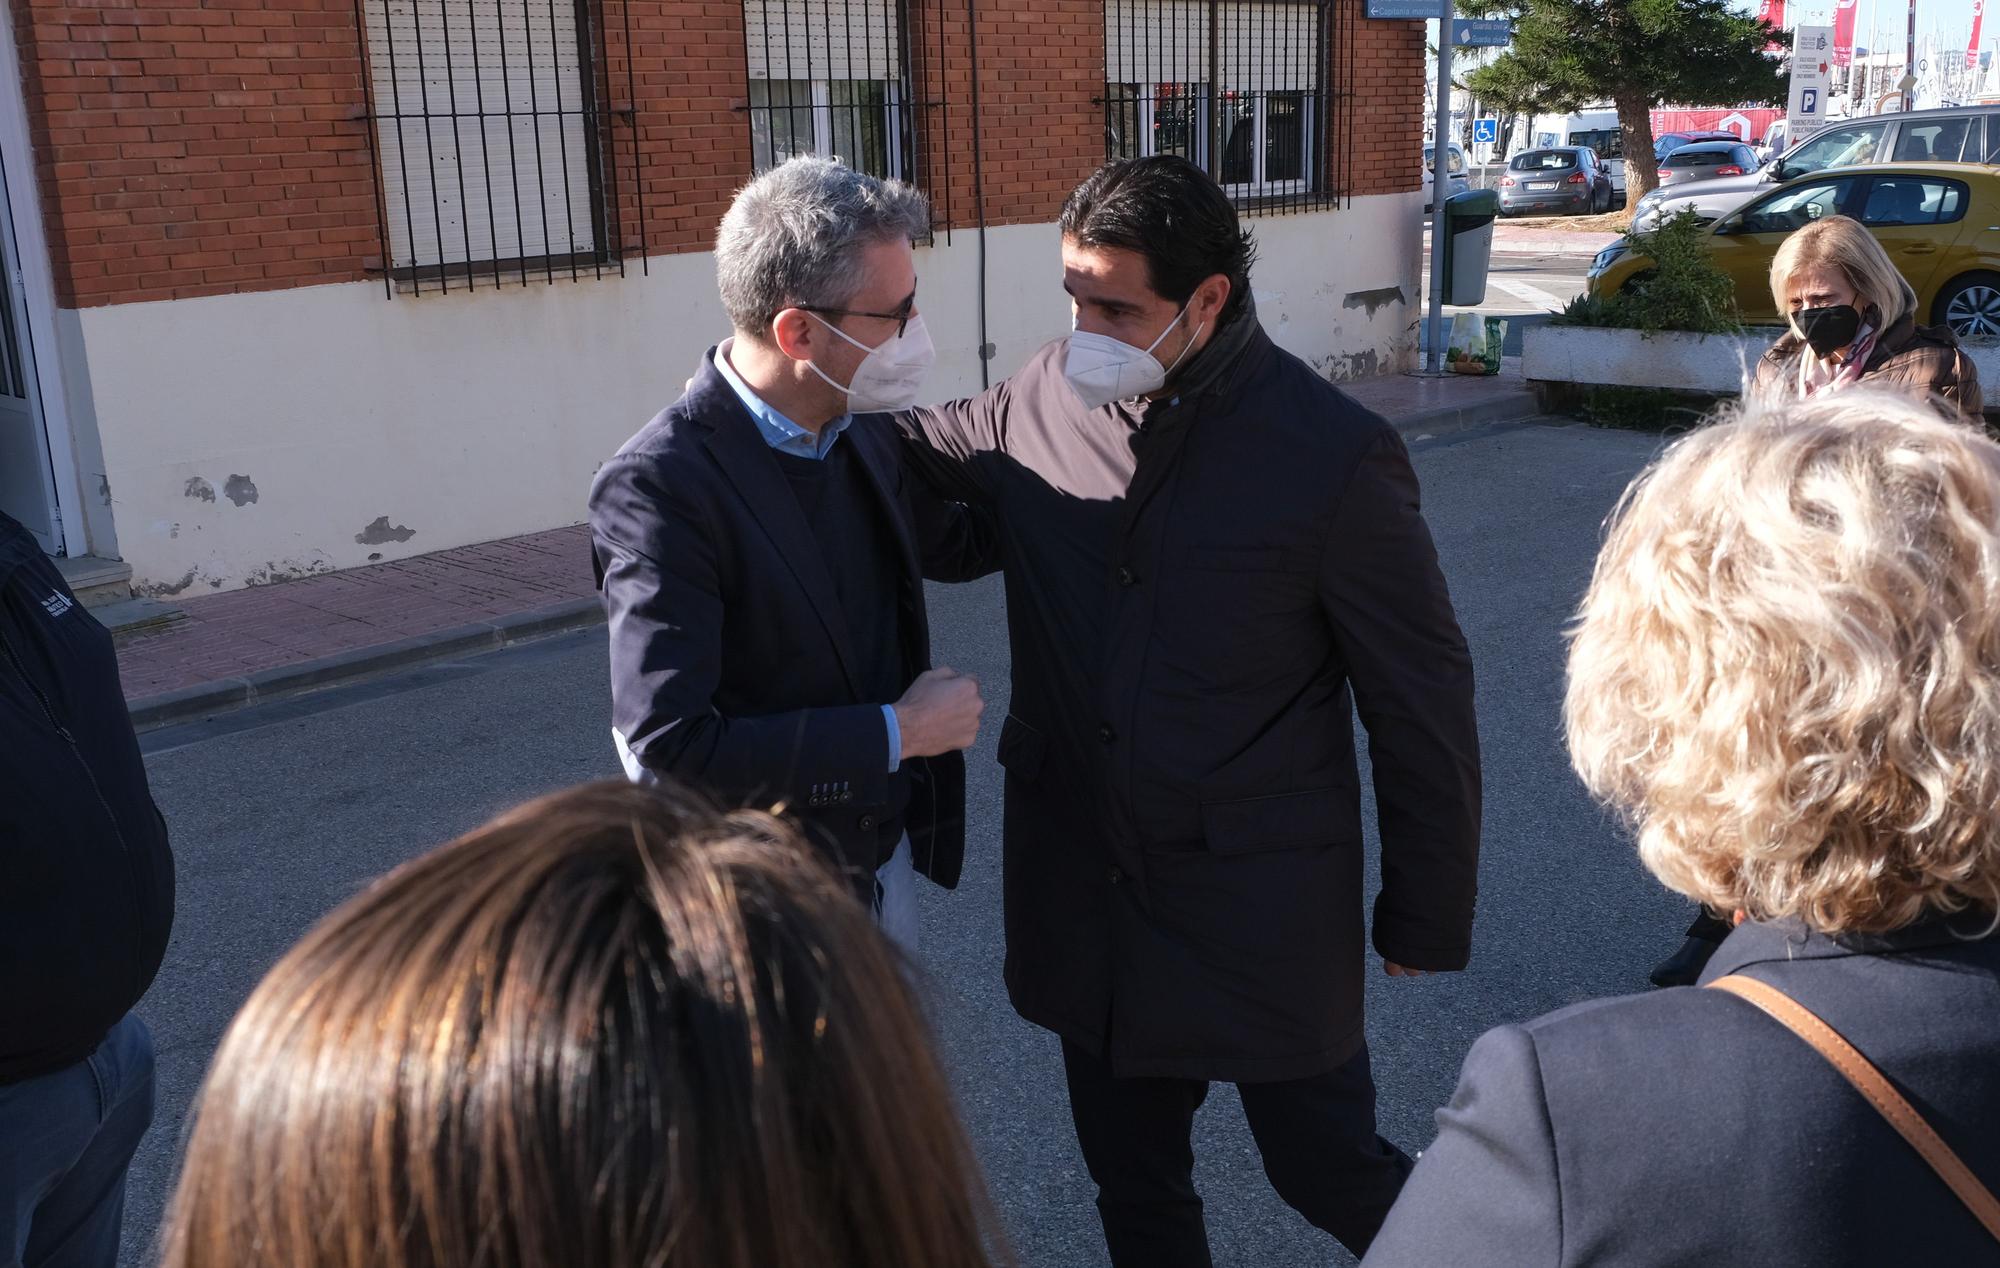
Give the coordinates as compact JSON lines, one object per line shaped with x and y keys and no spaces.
{"x":1925,"y":361}
{"x":1686,"y":1127}
{"x":86,"y":878}
{"x":1199,"y":591}
{"x":731,"y":665}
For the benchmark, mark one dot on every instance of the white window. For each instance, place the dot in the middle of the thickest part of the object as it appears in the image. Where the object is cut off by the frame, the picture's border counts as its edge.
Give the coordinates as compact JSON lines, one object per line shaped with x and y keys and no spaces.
{"x":1244,"y":110}
{"x":825,"y":78}
{"x":486,"y":133}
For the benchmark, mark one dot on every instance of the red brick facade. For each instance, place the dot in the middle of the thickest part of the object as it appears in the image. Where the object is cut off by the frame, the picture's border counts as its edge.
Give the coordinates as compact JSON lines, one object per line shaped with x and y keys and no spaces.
{"x":201,"y":147}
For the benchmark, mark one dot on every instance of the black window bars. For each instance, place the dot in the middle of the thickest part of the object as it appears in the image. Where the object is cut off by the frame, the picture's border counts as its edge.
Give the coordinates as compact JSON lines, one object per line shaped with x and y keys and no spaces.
{"x":847,"y":79}
{"x":1245,"y":89}
{"x":498,"y":159}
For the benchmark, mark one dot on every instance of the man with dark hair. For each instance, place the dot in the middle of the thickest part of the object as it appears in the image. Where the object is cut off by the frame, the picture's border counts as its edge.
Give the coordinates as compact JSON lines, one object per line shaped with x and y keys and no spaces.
{"x":1212,"y":556}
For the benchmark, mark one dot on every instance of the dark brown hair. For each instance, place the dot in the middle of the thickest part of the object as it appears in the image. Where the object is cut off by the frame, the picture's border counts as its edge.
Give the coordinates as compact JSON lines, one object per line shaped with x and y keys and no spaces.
{"x":1175,"y":216}
{"x":613,"y":1027}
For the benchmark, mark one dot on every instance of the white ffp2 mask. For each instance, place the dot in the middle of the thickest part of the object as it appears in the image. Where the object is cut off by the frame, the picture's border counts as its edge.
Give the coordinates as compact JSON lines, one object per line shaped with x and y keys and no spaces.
{"x":1102,"y":369}
{"x":892,"y":374}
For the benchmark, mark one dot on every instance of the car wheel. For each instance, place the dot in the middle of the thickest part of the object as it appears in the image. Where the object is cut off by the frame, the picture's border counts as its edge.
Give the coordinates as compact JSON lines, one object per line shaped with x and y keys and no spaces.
{"x":1970,"y":305}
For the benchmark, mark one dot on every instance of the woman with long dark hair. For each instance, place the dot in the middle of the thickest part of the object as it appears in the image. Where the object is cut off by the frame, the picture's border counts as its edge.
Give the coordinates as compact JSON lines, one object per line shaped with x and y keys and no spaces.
{"x":611,"y":1028}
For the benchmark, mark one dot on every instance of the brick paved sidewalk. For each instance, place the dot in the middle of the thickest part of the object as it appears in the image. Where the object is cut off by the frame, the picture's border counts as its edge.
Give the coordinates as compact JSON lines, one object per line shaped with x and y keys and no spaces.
{"x":247,"y":632}
{"x":270,"y":640}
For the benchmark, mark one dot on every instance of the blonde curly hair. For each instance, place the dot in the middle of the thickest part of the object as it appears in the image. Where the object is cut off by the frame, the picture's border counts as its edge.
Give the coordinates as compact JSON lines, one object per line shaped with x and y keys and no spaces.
{"x":1786,"y":673}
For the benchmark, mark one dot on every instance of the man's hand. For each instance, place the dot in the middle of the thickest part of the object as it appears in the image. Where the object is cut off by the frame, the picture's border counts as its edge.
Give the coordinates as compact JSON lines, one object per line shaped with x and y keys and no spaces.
{"x":939,"y":713}
{"x":1394,"y":969}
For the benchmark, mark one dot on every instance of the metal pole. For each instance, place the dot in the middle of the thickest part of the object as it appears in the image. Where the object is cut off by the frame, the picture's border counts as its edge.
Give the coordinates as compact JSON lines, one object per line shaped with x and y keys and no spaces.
{"x":1910,"y":57}
{"x":1440,"y":186}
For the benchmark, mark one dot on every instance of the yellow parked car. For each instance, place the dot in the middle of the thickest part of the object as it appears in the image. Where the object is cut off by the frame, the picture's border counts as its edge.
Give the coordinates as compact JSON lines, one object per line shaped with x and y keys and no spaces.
{"x":1939,"y":222}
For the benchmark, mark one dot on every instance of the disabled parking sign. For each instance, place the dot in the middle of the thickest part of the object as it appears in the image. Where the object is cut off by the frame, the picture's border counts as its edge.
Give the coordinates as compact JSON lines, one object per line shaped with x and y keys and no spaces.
{"x":1485,"y":131}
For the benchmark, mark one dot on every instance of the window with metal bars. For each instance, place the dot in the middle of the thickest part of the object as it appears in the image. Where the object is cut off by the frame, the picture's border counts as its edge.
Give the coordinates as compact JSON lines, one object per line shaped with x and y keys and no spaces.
{"x":494,"y":152}
{"x":1239,"y":87}
{"x":830,"y":77}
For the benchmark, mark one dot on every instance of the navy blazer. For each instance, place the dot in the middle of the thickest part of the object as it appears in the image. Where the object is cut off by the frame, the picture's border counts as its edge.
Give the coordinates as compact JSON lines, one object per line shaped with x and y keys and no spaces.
{"x":1685,"y":1127}
{"x":731,"y":663}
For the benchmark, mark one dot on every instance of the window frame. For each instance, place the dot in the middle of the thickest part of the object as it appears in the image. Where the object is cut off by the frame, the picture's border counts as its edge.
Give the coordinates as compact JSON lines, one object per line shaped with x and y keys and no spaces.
{"x":1259,"y":187}
{"x":1842,"y":206}
{"x":1860,"y":202}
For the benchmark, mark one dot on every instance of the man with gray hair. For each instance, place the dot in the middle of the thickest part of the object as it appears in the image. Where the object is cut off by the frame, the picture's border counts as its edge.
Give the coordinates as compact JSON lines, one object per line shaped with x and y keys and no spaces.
{"x":762,"y":555}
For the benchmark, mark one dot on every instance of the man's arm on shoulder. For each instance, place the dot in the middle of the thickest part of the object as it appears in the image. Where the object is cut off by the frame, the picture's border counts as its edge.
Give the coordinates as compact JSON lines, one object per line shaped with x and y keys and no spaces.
{"x":1411,"y":672}
{"x":944,"y":444}
{"x":1488,"y":1190}
{"x":657,"y":557}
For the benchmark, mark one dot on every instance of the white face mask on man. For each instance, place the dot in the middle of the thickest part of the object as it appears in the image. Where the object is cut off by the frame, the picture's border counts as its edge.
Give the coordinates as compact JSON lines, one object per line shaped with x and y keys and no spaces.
{"x":892,"y":375}
{"x":1102,"y":369}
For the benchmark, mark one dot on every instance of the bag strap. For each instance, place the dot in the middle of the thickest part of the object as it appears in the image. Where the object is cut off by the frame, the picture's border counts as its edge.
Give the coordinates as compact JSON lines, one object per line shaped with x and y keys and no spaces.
{"x":1879,"y":1092}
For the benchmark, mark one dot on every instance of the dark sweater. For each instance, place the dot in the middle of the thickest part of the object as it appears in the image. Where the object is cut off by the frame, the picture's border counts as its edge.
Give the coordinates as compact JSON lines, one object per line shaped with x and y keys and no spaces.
{"x":859,"y":547}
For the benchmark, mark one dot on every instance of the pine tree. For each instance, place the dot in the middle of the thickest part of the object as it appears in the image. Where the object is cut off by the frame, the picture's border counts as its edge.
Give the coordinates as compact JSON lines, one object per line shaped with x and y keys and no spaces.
{"x":1636,"y":54}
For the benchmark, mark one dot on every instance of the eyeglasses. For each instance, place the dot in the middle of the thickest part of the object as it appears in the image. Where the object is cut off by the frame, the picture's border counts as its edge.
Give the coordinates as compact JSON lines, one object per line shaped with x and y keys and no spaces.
{"x":901,"y":315}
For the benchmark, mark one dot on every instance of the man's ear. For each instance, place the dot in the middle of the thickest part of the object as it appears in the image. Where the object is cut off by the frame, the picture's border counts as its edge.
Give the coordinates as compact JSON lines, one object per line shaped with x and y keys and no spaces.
{"x":793,"y":333}
{"x":1209,"y":300}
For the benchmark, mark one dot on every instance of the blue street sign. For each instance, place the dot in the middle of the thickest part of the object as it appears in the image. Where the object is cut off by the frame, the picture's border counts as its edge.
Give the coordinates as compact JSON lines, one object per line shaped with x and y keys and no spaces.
{"x":1482,"y":32}
{"x":1485,"y":131}
{"x":1418,"y":9}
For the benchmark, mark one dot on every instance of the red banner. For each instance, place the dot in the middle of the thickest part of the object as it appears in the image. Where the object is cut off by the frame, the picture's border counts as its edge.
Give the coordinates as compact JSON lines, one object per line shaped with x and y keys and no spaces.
{"x":1972,"y":46}
{"x":1843,"y":31}
{"x":1773,"y":12}
{"x":1750,"y":124}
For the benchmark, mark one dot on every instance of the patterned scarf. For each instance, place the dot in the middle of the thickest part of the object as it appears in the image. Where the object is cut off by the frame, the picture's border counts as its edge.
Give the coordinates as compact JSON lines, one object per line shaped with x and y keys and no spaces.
{"x":1824,"y":374}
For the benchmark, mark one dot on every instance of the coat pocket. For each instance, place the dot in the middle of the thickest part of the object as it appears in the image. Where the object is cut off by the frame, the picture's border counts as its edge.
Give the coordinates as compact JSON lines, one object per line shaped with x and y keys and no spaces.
{"x":1022,"y":748}
{"x":1282,"y":822}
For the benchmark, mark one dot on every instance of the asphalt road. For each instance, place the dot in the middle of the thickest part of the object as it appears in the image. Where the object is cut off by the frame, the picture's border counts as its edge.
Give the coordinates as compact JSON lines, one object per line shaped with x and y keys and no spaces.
{"x":279,"y":813}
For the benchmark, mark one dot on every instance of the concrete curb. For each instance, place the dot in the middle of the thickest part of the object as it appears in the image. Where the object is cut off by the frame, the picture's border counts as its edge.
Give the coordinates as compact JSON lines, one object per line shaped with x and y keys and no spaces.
{"x":203,"y":699}
{"x":1504,"y":405}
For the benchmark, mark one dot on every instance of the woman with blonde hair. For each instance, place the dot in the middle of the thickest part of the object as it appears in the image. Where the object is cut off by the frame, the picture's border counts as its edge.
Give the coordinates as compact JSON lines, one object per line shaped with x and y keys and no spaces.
{"x":1853,"y":318}
{"x":613,"y":1029}
{"x":1786,"y":677}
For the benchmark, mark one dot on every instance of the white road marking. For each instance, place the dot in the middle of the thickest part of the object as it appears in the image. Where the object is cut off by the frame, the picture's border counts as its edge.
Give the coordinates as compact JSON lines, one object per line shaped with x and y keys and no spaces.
{"x":1523,"y":291}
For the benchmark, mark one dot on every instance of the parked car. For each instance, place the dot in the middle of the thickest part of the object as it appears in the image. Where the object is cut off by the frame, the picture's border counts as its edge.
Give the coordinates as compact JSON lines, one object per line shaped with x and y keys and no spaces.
{"x":1707,"y":161}
{"x":1565,"y":179}
{"x":1668,"y":142}
{"x":1456,"y":181}
{"x":1776,"y":137}
{"x":1969,"y":134}
{"x":1934,"y":219}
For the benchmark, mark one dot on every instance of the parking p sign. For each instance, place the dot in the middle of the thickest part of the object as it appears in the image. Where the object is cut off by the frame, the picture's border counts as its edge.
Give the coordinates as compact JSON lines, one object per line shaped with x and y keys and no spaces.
{"x":1485,"y":131}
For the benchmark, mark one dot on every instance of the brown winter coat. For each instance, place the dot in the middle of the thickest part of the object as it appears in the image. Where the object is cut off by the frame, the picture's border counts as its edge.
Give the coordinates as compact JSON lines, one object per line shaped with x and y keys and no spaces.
{"x":1924,"y":360}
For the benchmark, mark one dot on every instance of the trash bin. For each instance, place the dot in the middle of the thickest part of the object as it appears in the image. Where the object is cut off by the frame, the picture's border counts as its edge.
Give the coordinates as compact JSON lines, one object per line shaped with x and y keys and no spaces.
{"x":1468,"y":244}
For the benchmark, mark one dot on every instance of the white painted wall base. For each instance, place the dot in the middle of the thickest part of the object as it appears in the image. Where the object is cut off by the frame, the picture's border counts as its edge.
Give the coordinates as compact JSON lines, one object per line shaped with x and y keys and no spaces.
{"x":251,"y":438}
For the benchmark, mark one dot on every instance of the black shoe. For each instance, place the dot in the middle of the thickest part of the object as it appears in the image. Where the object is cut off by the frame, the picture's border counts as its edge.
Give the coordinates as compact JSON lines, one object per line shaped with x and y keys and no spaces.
{"x":1683,"y":967}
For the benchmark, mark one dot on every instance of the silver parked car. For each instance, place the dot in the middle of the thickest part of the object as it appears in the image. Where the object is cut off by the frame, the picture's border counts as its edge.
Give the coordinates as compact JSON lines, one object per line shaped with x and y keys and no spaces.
{"x":1456,"y":180}
{"x":1563,"y":179}
{"x":1707,"y":161}
{"x":1965,"y":134}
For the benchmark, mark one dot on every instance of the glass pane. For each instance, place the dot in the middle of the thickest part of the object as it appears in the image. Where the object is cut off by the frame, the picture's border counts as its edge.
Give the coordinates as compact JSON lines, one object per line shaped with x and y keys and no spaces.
{"x":1177,"y":120}
{"x":861,"y":124}
{"x":781,"y":124}
{"x":1905,"y":200}
{"x":1285,"y":138}
{"x":1939,"y":141}
{"x":1795,"y":208}
{"x":1239,"y":138}
{"x":1839,"y":148}
{"x":1121,"y":122}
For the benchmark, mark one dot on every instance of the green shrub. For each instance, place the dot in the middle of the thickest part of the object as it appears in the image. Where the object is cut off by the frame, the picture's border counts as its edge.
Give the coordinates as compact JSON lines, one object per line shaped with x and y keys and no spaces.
{"x":1683,"y":290}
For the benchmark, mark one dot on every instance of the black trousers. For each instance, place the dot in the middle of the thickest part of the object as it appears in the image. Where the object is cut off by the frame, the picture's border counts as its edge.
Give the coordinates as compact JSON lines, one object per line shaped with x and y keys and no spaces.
{"x":1317,"y":1138}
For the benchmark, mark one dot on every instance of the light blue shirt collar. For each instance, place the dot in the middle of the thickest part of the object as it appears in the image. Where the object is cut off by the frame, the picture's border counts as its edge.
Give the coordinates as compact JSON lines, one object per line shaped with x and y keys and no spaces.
{"x":779,"y":432}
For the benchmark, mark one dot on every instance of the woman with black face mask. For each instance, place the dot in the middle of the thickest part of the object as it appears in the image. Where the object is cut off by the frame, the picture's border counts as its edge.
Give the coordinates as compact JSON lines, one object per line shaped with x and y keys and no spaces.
{"x":1853,"y":317}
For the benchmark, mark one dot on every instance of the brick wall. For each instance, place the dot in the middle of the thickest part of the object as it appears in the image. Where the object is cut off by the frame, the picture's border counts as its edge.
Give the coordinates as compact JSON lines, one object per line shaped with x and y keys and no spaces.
{"x":200,"y":147}
{"x":1387,"y":100}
